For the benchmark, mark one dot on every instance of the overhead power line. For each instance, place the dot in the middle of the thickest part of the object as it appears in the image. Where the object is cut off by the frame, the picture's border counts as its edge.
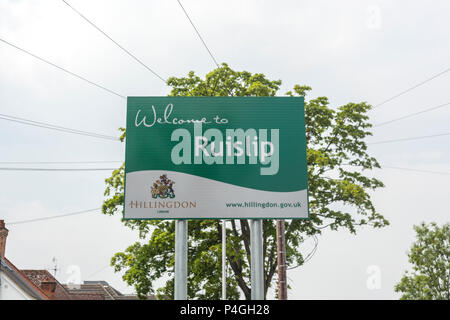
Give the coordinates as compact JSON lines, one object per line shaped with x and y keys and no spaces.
{"x":412,"y":138}
{"x":410,"y":89}
{"x":55,"y":127}
{"x":98,"y":271}
{"x":58,"y":162}
{"x":198,"y":33}
{"x":63,"y":69}
{"x":417,"y":170}
{"x":442,"y":173}
{"x":121,"y":161}
{"x":115,"y":42}
{"x":52,"y":217}
{"x":57,"y":169}
{"x":412,"y":114}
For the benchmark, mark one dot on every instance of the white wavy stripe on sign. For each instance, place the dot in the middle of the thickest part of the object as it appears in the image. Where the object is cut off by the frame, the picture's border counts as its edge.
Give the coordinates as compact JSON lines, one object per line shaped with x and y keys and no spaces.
{"x":210,"y":197}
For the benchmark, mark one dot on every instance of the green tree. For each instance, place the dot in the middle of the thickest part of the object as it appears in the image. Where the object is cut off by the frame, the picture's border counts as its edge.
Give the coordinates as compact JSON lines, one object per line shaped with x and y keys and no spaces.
{"x":430,"y":259}
{"x":338,"y":195}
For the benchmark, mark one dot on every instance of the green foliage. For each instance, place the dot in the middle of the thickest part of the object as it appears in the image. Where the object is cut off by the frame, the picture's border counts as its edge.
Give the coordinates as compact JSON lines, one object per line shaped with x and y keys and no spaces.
{"x":338,"y":195}
{"x":430,"y":259}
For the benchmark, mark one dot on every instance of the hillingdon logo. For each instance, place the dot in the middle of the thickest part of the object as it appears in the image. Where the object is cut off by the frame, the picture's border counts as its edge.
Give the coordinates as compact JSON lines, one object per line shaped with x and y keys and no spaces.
{"x":163,"y":188}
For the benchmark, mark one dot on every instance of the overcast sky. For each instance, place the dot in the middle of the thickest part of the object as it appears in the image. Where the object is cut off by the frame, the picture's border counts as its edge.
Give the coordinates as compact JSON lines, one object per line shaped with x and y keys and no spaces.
{"x":349,"y":51}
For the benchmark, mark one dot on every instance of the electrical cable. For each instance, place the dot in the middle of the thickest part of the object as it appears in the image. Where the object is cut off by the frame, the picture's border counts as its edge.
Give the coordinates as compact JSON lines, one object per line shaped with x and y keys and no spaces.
{"x":63,"y":69}
{"x":57,"y":169}
{"x":409,"y":139}
{"x":52,"y":217}
{"x":115,"y":42}
{"x":55,"y":127}
{"x":417,"y":170}
{"x":410,"y":89}
{"x":412,"y":114}
{"x":198,"y":33}
{"x":58,"y":162}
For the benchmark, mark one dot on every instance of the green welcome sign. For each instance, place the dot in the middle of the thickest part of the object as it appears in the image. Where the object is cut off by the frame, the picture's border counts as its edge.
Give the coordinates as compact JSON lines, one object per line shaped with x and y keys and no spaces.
{"x":215,"y":157}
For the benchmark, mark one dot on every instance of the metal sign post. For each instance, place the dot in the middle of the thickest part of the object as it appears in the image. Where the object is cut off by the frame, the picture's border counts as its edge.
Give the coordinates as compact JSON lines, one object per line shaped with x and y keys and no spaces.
{"x":257,"y":263}
{"x":224,"y":260}
{"x":181,"y":259}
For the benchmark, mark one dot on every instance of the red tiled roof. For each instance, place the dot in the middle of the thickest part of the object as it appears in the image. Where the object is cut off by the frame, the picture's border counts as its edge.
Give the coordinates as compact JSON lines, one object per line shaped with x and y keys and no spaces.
{"x":92,"y":289}
{"x":87,"y":296}
{"x":37,"y":290}
{"x":101,"y":290}
{"x":36,"y":282}
{"x":40,"y":276}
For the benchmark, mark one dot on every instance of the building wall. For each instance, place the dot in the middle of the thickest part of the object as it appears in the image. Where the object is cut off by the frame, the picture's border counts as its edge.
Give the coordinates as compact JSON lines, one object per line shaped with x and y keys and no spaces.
{"x":10,"y":291}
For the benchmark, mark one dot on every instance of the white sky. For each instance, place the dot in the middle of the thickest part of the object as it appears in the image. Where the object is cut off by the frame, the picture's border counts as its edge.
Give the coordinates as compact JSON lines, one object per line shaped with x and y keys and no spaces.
{"x":346,"y":50}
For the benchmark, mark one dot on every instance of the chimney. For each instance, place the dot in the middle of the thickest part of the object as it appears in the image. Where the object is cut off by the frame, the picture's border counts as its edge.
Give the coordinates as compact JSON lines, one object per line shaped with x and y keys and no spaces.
{"x":49,"y":288}
{"x":3,"y":235}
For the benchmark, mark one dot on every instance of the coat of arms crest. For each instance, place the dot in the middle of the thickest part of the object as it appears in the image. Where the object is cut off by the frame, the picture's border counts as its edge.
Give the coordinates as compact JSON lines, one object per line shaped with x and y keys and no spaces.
{"x":163,"y":188}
